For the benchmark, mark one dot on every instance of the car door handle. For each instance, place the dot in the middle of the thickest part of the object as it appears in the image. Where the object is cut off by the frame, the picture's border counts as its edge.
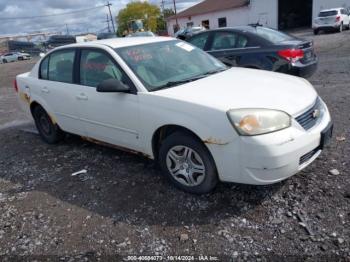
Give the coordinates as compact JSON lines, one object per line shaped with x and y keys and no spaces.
{"x":45,"y":90}
{"x":82,"y":96}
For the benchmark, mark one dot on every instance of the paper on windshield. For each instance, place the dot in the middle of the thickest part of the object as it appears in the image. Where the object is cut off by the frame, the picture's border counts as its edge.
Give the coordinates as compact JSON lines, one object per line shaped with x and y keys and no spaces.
{"x":185,"y":46}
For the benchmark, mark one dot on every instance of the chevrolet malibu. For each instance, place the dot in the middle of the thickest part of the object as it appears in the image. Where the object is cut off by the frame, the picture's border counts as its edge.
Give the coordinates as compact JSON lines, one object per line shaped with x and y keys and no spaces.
{"x":176,"y":104}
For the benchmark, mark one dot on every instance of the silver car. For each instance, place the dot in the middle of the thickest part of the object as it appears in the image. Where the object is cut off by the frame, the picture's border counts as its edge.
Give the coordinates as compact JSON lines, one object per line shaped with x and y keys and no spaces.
{"x":335,"y":19}
{"x":9,"y":57}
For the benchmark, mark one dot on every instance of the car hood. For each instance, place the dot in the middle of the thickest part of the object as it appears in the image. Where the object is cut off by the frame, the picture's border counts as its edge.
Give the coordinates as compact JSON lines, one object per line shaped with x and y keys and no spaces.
{"x":239,"y":88}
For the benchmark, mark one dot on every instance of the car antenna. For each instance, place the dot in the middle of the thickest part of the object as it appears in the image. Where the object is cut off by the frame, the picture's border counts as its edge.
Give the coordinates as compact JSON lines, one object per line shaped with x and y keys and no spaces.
{"x":256,"y":24}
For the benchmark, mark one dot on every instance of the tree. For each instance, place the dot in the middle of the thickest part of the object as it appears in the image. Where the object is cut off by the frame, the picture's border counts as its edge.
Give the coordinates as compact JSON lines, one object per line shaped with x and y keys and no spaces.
{"x":161,"y":22}
{"x":144,"y":11}
{"x":167,"y":12}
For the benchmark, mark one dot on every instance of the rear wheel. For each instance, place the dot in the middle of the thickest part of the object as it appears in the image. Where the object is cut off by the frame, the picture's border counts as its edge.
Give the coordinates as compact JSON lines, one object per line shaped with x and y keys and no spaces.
{"x":49,"y":132}
{"x":316,"y":31}
{"x":187,"y":163}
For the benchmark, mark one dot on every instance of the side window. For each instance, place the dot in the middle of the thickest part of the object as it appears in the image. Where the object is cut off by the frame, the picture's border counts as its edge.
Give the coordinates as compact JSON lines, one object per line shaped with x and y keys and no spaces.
{"x":61,"y":66}
{"x":199,"y":40}
{"x":228,"y":40}
{"x":95,"y":67}
{"x":242,"y":42}
{"x":44,"y":68}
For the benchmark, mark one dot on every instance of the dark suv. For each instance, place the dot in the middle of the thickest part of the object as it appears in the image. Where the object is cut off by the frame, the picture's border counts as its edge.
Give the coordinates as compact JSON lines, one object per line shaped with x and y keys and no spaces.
{"x":260,"y":48}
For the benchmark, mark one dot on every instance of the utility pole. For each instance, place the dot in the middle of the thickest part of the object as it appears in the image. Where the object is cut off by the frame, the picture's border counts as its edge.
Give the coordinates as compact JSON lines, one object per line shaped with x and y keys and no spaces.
{"x":67,"y":29}
{"x":110,"y":13}
{"x":109,"y":29}
{"x":162,"y":5}
{"x":177,"y":24}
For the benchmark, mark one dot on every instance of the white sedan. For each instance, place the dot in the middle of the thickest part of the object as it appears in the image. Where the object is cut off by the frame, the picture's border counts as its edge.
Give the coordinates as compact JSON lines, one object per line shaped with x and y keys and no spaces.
{"x":176,"y":104}
{"x":9,"y":57}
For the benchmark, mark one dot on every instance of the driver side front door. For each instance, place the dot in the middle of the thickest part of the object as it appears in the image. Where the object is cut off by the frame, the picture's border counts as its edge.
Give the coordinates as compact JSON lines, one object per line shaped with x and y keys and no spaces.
{"x":108,"y":117}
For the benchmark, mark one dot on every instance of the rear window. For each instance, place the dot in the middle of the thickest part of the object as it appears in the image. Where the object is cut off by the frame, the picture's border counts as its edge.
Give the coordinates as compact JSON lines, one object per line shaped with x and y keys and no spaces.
{"x":272,"y":35}
{"x":328,"y":13}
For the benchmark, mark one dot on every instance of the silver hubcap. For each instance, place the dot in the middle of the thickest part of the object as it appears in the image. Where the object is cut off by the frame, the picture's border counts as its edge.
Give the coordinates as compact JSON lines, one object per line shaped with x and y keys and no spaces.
{"x":185,"y":165}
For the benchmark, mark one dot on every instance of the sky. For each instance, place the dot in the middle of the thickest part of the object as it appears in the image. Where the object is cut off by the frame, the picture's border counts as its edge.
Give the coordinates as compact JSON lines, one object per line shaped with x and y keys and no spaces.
{"x":92,"y":20}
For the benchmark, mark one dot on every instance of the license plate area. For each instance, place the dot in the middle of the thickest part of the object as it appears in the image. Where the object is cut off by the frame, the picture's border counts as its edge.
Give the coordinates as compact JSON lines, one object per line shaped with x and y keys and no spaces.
{"x":326,"y":136}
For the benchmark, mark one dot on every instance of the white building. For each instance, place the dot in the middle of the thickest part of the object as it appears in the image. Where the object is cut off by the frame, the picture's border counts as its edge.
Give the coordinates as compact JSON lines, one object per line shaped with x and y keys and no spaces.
{"x":279,"y":14}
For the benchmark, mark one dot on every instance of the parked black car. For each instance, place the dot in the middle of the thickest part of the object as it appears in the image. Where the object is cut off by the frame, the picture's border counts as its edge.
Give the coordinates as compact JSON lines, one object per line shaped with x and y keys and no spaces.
{"x":260,"y":48}
{"x":186,"y":33}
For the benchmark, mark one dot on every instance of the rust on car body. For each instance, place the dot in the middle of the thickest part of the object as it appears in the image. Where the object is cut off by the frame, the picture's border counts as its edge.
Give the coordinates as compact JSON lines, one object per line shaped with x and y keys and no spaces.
{"x":214,"y":141}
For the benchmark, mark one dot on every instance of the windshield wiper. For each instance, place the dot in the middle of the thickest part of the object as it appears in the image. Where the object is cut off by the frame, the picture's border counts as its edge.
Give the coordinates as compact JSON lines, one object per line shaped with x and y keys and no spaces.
{"x":184,"y":81}
{"x":176,"y":83}
{"x":212,"y":72}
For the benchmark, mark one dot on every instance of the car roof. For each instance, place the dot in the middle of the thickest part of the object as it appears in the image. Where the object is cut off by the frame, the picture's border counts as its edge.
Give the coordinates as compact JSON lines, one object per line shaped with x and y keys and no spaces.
{"x":122,"y":41}
{"x":332,"y":9}
{"x":238,"y":28}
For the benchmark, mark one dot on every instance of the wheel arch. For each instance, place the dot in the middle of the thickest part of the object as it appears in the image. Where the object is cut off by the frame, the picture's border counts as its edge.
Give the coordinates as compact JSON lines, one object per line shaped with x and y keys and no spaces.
{"x":164,"y":131}
{"x":34,"y":104}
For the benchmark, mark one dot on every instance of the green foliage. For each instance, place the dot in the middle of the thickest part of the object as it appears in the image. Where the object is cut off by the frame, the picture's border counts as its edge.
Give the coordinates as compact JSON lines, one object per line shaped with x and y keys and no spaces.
{"x":168,"y":12}
{"x":161,"y":22}
{"x":145,"y":11}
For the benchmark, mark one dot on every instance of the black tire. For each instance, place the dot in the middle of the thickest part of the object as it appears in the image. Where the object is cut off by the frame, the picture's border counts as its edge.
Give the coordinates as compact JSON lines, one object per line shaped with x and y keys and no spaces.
{"x":49,"y":132}
{"x":210,"y":179}
{"x":4,"y":61}
{"x":316,"y":31}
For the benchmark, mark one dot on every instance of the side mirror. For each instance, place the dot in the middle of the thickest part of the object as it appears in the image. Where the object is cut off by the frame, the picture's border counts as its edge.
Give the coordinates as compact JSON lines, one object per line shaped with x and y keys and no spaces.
{"x":112,"y":85}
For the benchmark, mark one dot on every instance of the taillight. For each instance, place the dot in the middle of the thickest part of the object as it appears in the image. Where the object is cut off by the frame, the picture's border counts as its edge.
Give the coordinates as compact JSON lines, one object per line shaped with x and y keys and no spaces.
{"x":15,"y":86}
{"x":337,"y":19}
{"x":292,"y":55}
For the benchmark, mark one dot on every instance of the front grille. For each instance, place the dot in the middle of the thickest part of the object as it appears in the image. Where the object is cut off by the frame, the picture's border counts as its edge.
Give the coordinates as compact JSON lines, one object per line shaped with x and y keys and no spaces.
{"x":308,"y":120}
{"x":308,"y":156}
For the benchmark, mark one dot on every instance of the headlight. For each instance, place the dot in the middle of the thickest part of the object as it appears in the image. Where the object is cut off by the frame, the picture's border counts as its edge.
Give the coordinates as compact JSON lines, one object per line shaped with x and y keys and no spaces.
{"x":251,"y":122}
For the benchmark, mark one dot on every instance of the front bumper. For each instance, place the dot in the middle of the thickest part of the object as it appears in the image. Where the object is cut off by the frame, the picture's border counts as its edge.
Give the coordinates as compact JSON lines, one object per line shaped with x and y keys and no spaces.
{"x":270,"y":158}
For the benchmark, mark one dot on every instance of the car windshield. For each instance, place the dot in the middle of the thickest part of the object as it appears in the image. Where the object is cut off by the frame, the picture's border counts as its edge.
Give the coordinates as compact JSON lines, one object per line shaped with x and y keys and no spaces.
{"x":273,"y":36}
{"x":328,"y":13}
{"x":169,"y":63}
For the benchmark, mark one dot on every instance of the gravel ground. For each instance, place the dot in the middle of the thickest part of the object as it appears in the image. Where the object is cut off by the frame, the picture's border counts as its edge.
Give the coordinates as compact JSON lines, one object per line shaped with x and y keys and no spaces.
{"x":123,"y":206}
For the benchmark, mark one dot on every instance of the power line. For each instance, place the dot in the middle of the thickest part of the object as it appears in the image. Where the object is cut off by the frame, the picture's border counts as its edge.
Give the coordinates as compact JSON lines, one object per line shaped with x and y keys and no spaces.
{"x":43,"y":16}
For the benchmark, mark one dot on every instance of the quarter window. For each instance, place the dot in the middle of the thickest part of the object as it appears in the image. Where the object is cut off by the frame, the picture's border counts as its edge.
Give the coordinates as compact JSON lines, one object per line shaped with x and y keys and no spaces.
{"x":228,"y":40}
{"x":199,"y":40}
{"x":44,"y":68}
{"x":95,"y":67}
{"x":61,"y":66}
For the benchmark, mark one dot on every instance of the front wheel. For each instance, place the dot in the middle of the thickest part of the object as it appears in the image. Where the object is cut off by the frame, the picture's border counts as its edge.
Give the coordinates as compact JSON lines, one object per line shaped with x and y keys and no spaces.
{"x":316,"y":31}
{"x":49,"y":132}
{"x":4,"y":61}
{"x":187,"y":163}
